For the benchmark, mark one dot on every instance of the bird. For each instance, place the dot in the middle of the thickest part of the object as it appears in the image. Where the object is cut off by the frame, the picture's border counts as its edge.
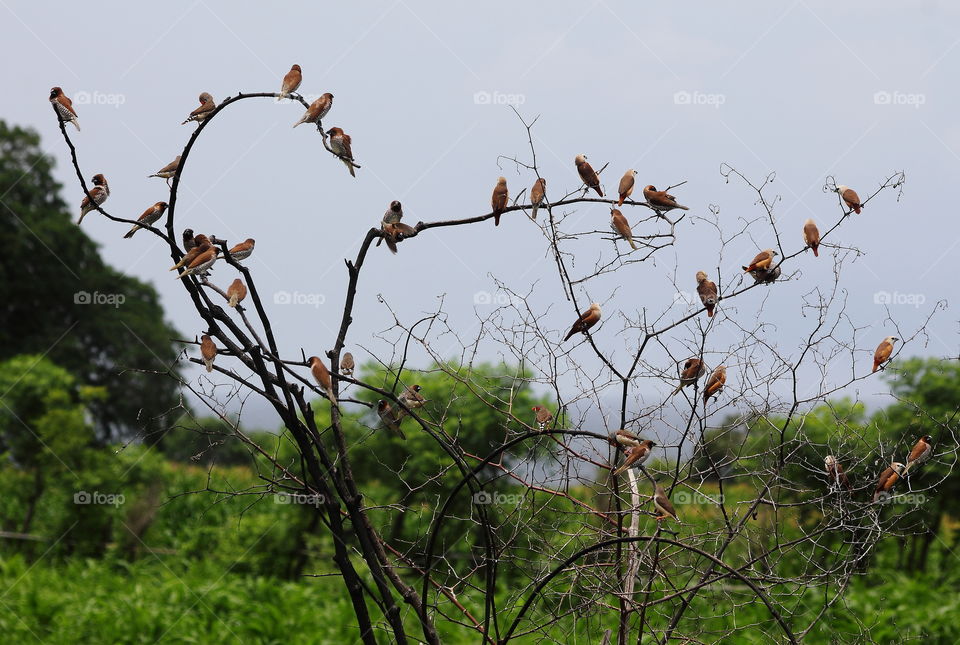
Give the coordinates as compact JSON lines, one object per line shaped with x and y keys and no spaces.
{"x":835,"y":473}
{"x":589,"y":176}
{"x":623,"y":439}
{"x":692,"y":370}
{"x":922,"y":450}
{"x":149,"y":216}
{"x":621,"y":226}
{"x":347,"y":365}
{"x":714,"y":384}
{"x":811,"y":235}
{"x":394,"y":214}
{"x":169,"y":170}
{"x":707,"y":290}
{"x":762,"y":262}
{"x":412,"y":398}
{"x":291,"y":81}
{"x":317,"y":110}
{"x":340,"y":143}
{"x":626,"y":185}
{"x":887,"y":479}
{"x":64,"y":106}
{"x":537,"y":194}
{"x":636,"y":455}
{"x":201,"y":243}
{"x":188,"y":241}
{"x":208,"y":350}
{"x":236,"y":292}
{"x":322,"y":376}
{"x":850,"y":198}
{"x":498,"y":201}
{"x":663,"y":504}
{"x":203,"y":261}
{"x":587,"y":319}
{"x":660,"y":200}
{"x":243,"y":250}
{"x":207,"y":105}
{"x":884,"y":349}
{"x":389,"y":419}
{"x":94,"y":197}
{"x":395,"y":233}
{"x":759,"y":275}
{"x":543,"y":417}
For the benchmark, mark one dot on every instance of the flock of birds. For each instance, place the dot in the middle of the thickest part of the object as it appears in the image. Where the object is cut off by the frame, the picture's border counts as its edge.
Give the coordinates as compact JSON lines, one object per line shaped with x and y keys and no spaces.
{"x":202,"y":251}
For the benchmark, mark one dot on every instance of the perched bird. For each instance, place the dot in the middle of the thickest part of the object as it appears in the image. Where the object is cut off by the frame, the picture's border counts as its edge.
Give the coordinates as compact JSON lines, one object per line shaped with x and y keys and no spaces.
{"x":203,"y":261}
{"x":94,"y":197}
{"x":707,"y":290}
{"x":200,"y":244}
{"x":621,"y":227}
{"x":835,"y":473}
{"x":890,"y":476}
{"x":661,"y":200}
{"x":714,"y":384}
{"x":395,"y":233}
{"x":322,"y":376}
{"x":498,"y":201}
{"x":188,"y":241}
{"x":236,"y":292}
{"x":207,"y":105}
{"x":317,"y":110}
{"x":208,"y":350}
{"x":636,"y":455}
{"x":169,"y":170}
{"x":340,"y":143}
{"x":850,"y":198}
{"x":762,"y":262}
{"x":537,"y":194}
{"x":412,"y":398}
{"x":760,"y":275}
{"x":587,"y":319}
{"x":663,"y":505}
{"x":811,"y":235}
{"x":543,"y":417}
{"x":389,"y":418}
{"x":588,"y":175}
{"x":922,"y":451}
{"x":291,"y":81}
{"x":692,"y":370}
{"x":884,"y":349}
{"x":394,"y":214}
{"x":243,"y":250}
{"x":64,"y":106}
{"x":626,"y":185}
{"x":623,"y":439}
{"x":149,"y":216}
{"x":347,"y":365}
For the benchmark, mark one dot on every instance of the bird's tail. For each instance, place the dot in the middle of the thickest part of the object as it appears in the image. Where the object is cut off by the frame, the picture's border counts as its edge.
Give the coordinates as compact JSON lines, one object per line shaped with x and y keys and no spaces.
{"x":815,"y":253}
{"x":709,"y":312}
{"x":856,"y":209}
{"x":533,"y":212}
{"x":598,"y":189}
{"x":302,"y":120}
{"x":234,"y":299}
{"x":677,"y":391}
{"x":633,"y":245}
{"x":208,"y":364}
{"x":136,"y":227}
{"x":619,"y":470}
{"x":876,"y":366}
{"x":75,"y":124}
{"x":620,"y":202}
{"x":187,"y":120}
{"x":682,"y":207}
{"x":496,"y":222}
{"x":349,"y":166}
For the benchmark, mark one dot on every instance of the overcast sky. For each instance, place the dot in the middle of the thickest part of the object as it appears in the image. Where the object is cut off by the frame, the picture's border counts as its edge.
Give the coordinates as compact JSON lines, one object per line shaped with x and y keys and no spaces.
{"x":856,"y":90}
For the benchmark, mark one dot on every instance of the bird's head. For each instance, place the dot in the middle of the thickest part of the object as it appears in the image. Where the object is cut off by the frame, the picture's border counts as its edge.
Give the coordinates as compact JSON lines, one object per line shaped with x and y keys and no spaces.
{"x":205,"y":97}
{"x":580,"y":159}
{"x":55,"y":92}
{"x":295,"y":68}
{"x":897,"y":467}
{"x":841,"y":188}
{"x":650,"y":189}
{"x":395,"y":206}
{"x":701,"y":276}
{"x":595,"y":307}
{"x":829,"y":461}
{"x":926,"y":438}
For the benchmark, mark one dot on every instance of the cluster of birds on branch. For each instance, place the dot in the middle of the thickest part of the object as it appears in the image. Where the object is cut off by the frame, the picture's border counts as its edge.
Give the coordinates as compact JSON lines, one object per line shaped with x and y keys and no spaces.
{"x":922,"y":451}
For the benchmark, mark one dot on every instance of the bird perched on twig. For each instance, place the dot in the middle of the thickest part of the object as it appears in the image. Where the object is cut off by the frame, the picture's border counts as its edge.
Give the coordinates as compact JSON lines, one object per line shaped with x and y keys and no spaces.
{"x":317,"y":110}
{"x":714,"y":384}
{"x":850,"y":198}
{"x":663,"y":504}
{"x":884,"y":349}
{"x":64,"y":106}
{"x":201,"y":243}
{"x":412,"y":398}
{"x":587,"y":174}
{"x":168,"y":171}
{"x":636,"y":455}
{"x":347,"y":364}
{"x":207,"y":106}
{"x":921,"y":452}
{"x":542,"y":416}
{"x":762,"y":262}
{"x":149,"y":216}
{"x":236,"y":292}
{"x":291,"y":82}
{"x":626,"y":185}
{"x":537,"y":195}
{"x":389,"y":418}
{"x":707,"y":290}
{"x":203,"y":261}
{"x":587,"y":319}
{"x":95,"y":197}
{"x":811,"y":236}
{"x":888,"y":478}
{"x":342,"y":146}
{"x":835,"y":473}
{"x":188,"y":239}
{"x":243,"y":250}
{"x":322,"y":376}
{"x":499,"y":199}
{"x":621,"y":227}
{"x":208,"y":350}
{"x":660,"y":200}
{"x":692,"y":370}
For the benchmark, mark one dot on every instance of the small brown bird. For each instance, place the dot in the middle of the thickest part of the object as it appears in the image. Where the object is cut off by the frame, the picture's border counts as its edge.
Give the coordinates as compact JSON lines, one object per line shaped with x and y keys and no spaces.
{"x":200,"y":244}
{"x":389,"y":418}
{"x":498,"y":202}
{"x":762,"y":262}
{"x":168,"y":171}
{"x":203,"y":261}
{"x":661,"y":200}
{"x":811,"y":235}
{"x":243,"y":250}
{"x":636,"y":455}
{"x":208,"y":350}
{"x":188,"y":241}
{"x":543,"y":417}
{"x":626,"y":185}
{"x":884,"y":349}
{"x":587,"y":319}
{"x":760,"y":275}
{"x":322,"y":376}
{"x":835,"y":473}
{"x":236,"y":292}
{"x":714,"y":384}
{"x":149,"y":216}
{"x":621,"y":227}
{"x":412,"y":398}
{"x":692,"y":370}
{"x":347,"y":365}
{"x":317,"y":110}
{"x":341,"y":144}
{"x":64,"y":105}
{"x":922,"y":451}
{"x":95,"y":197}
{"x":537,"y":194}
{"x":888,"y":478}
{"x":291,"y":82}
{"x":850,"y":198}
{"x":623,"y":439}
{"x":663,"y":505}
{"x":707,"y":291}
{"x":392,"y":234}
{"x":587,"y":174}
{"x":207,"y":106}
